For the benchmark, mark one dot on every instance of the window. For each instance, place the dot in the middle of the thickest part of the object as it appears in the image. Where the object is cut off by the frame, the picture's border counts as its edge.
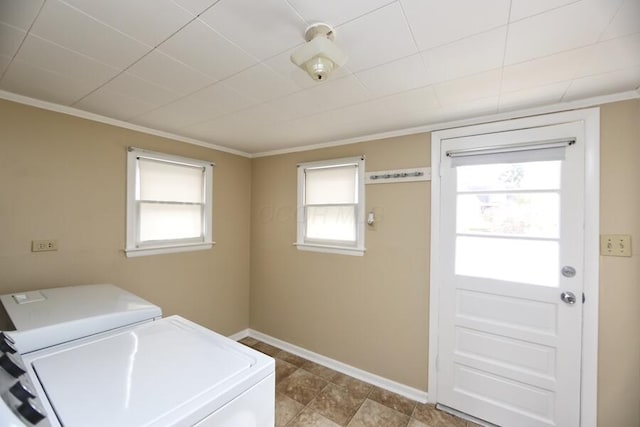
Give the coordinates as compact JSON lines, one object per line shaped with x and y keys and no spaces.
{"x":168,"y":203}
{"x":331,"y":206}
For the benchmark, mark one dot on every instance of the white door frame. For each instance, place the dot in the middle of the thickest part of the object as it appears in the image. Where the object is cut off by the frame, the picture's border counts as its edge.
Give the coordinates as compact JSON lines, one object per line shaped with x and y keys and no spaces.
{"x":591,"y":119}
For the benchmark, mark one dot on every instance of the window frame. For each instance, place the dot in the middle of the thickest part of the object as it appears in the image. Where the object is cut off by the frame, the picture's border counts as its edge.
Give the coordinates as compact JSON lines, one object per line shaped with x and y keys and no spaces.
{"x":332,"y":246}
{"x":134,"y":247}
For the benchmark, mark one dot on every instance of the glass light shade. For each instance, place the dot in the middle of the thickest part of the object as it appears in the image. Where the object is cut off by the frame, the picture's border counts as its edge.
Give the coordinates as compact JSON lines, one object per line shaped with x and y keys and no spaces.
{"x":319,"y":67}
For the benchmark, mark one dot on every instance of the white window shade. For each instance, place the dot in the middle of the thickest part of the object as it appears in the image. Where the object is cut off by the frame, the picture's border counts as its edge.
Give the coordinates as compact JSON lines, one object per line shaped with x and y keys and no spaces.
{"x":171,"y":182}
{"x":169,"y":203}
{"x":331,"y":185}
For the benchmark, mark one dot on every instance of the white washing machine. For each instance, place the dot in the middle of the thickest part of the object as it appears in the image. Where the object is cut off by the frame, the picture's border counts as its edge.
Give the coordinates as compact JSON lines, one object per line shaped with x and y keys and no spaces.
{"x":169,"y":372}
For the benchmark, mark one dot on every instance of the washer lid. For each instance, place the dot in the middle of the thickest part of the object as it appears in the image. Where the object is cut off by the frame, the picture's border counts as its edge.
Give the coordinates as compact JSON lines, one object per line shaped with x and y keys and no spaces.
{"x":152,"y":374}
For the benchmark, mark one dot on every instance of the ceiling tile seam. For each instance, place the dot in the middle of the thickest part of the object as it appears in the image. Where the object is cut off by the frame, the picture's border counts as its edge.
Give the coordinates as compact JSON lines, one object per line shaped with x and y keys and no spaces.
{"x":199,"y":13}
{"x":462,"y":38}
{"x":228,"y":40}
{"x":613,"y":17}
{"x":26,"y":34}
{"x":524,"y":18}
{"x":342,"y":24}
{"x":294,"y":10}
{"x":504,"y":54}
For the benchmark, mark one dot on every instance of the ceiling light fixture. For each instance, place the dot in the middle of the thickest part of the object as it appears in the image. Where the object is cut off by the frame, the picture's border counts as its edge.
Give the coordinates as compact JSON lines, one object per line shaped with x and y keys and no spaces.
{"x":319,"y":56}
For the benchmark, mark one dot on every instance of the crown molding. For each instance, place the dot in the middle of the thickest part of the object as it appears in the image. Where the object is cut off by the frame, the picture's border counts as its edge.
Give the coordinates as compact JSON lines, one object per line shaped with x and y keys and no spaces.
{"x":45,"y":105}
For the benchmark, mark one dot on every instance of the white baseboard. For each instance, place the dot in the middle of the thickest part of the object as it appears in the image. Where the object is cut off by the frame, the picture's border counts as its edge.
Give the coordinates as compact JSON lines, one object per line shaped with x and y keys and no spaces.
{"x":385,"y":383}
{"x":239,"y":335}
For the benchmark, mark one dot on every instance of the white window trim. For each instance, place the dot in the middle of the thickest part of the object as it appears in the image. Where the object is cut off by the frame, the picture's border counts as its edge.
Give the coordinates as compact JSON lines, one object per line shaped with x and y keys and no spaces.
{"x":132,"y":249}
{"x":332,"y":246}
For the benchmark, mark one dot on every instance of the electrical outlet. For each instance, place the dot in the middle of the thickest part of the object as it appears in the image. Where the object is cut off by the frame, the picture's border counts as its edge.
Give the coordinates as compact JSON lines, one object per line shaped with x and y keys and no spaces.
{"x":615,"y":245}
{"x":44,"y":245}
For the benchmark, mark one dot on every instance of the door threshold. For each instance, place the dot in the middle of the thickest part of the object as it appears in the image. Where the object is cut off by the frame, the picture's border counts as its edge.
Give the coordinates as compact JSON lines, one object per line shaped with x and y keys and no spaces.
{"x":464,"y":416}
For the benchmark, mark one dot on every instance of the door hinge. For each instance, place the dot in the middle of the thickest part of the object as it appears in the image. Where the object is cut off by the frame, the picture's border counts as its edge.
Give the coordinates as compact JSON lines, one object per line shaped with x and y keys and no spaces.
{"x":583,"y":298}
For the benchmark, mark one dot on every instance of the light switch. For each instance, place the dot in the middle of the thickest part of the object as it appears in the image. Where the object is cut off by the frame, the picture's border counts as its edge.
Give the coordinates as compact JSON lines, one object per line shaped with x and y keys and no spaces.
{"x":615,"y":245}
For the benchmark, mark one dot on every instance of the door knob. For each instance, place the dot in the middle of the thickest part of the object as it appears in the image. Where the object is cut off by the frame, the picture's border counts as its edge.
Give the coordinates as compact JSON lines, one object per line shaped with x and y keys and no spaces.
{"x":568,"y":297}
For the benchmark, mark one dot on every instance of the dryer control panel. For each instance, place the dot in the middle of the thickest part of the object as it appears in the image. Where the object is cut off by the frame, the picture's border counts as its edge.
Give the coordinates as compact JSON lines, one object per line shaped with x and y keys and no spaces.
{"x":19,"y":404}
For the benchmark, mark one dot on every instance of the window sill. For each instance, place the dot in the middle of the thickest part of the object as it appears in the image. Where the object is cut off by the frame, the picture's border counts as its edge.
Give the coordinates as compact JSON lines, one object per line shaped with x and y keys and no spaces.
{"x":160,"y":250}
{"x":331,"y":249}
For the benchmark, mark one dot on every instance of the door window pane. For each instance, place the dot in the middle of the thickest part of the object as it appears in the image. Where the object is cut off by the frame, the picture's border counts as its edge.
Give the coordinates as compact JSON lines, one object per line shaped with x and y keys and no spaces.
{"x":510,"y":176}
{"x":518,"y":214}
{"x":516,"y":260}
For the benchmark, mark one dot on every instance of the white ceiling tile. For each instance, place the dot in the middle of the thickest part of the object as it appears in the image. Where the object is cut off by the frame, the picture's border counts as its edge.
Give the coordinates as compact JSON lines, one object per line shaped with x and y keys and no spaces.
{"x":169,"y":73}
{"x":113,"y":104}
{"x":467,"y":110}
{"x":207,"y":51}
{"x":48,"y":56}
{"x":533,"y":97}
{"x":75,"y":30}
{"x":195,"y":6}
{"x":626,"y":21}
{"x":130,"y":86}
{"x":335,"y":12}
{"x":465,"y":57}
{"x":178,"y":114}
{"x":10,"y":39}
{"x":262,"y":83}
{"x":397,"y":76}
{"x":19,"y":13}
{"x":282,"y":65}
{"x":466,"y":89}
{"x":524,"y":8}
{"x":329,"y":95}
{"x":150,"y":21}
{"x":37,"y":83}
{"x":222,"y":97}
{"x":611,"y":55}
{"x":538,"y":72}
{"x":558,"y":30}
{"x":437,"y":22}
{"x":603,"y":84}
{"x":379,"y":37}
{"x":262,"y":28}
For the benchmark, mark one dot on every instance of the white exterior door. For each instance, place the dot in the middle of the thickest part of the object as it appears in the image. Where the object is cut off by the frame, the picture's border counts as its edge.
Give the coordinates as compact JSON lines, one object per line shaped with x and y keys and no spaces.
{"x":512,"y":250}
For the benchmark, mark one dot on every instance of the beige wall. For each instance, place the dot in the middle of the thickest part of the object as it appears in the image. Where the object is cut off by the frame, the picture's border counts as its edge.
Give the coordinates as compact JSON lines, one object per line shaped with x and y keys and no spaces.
{"x":64,"y":178}
{"x":619,"y":335}
{"x":369,"y":311}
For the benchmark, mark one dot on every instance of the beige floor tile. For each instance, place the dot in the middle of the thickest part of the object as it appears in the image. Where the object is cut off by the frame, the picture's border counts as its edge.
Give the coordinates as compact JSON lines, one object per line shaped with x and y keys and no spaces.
{"x":286,"y":409}
{"x":283,"y":370}
{"x":291,"y":358}
{"x":357,"y":388}
{"x":301,"y":386}
{"x":308,"y":418}
{"x":336,"y":403}
{"x":266,"y":348}
{"x":319,"y":370}
{"x":374,"y":414}
{"x":428,"y":414}
{"x":248,"y":341}
{"x":393,"y":400}
{"x":415,"y":423}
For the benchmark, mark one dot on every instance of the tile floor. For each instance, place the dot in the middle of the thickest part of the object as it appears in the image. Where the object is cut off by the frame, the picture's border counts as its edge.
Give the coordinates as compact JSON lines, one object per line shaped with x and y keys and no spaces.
{"x":311,"y":395}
